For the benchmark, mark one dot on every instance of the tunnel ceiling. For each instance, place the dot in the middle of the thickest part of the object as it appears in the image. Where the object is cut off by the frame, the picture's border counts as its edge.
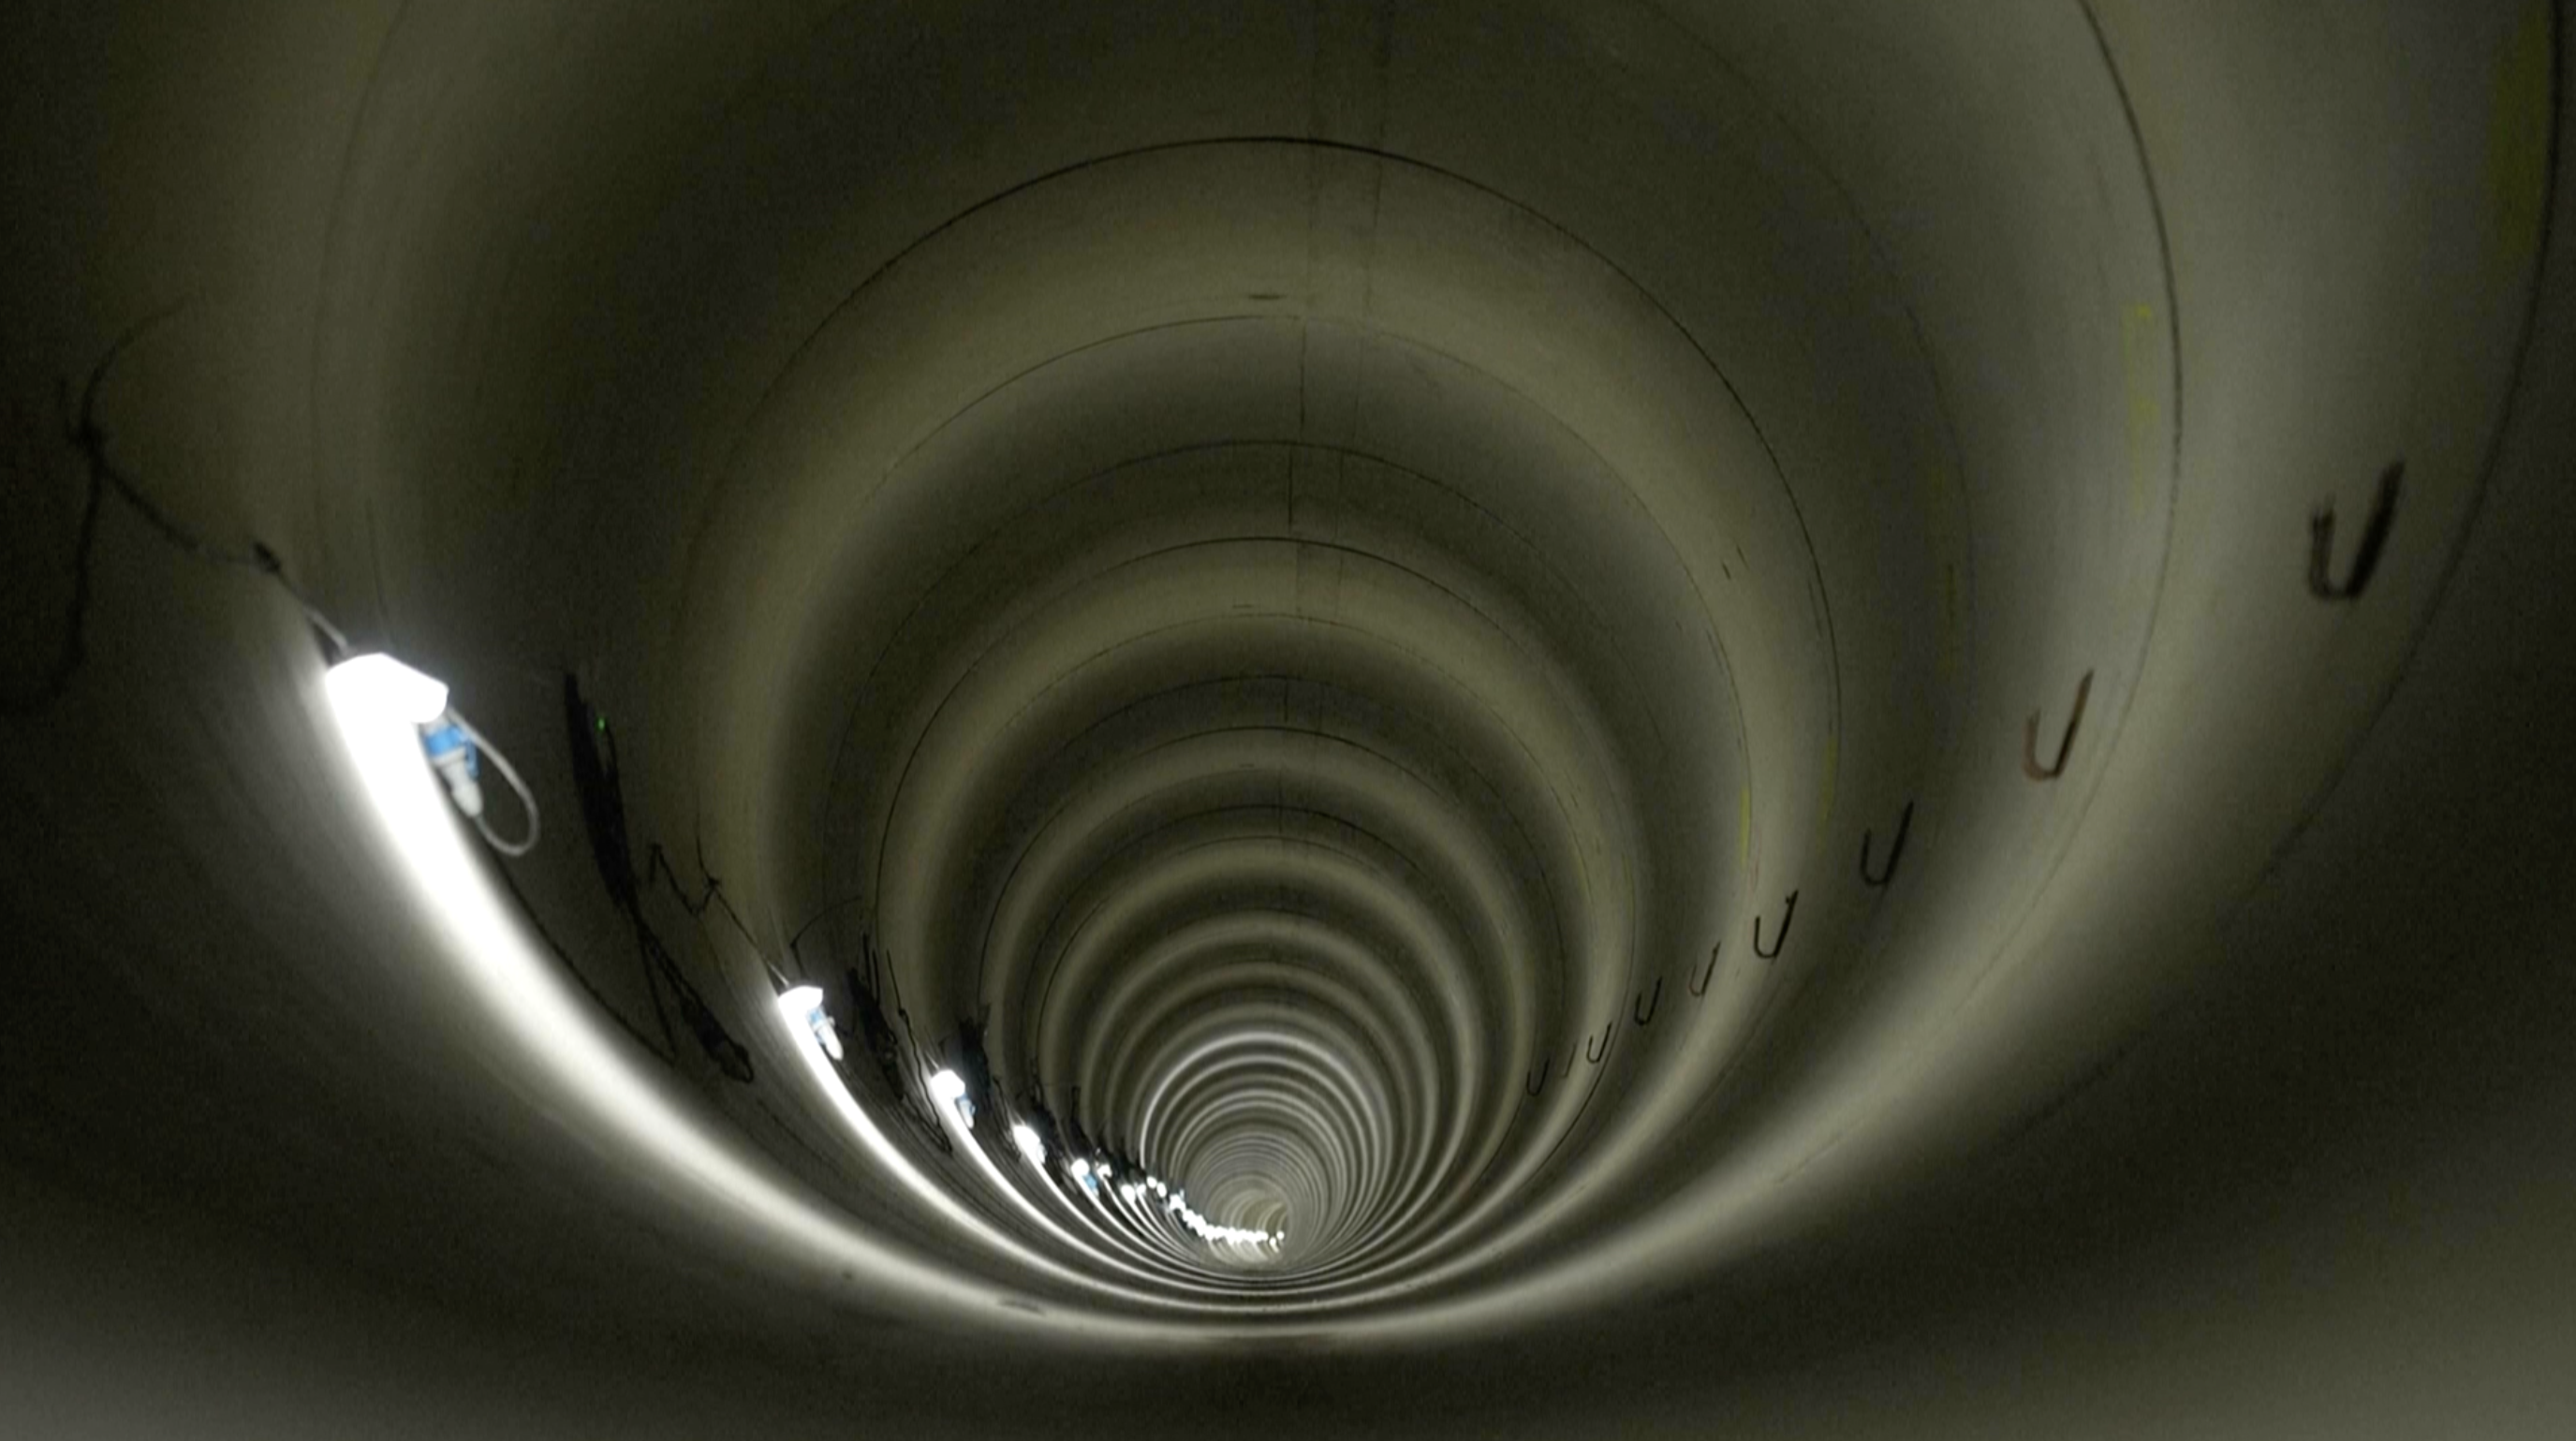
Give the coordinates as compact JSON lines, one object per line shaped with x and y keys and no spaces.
{"x":1537,"y":650}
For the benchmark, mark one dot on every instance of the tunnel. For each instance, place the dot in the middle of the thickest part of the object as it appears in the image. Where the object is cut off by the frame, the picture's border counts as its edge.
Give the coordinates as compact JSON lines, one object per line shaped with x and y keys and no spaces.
{"x":1630,"y":718}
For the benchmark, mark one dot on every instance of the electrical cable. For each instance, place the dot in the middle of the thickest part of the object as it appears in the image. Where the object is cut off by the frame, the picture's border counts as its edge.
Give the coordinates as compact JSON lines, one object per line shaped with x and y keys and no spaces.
{"x":658,"y":862}
{"x":597,"y":780}
{"x":91,"y":439}
{"x":509,"y":773}
{"x":86,"y":435}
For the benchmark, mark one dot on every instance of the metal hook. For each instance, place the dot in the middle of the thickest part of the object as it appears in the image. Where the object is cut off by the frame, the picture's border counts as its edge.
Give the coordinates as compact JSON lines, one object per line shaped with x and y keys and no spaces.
{"x":1532,"y":1088}
{"x":1594,"y":1056}
{"x":2030,"y":765}
{"x":1644,"y":1010}
{"x":1700,"y":986}
{"x":2365,"y":557}
{"x":1895,"y":848}
{"x":1788,"y":913}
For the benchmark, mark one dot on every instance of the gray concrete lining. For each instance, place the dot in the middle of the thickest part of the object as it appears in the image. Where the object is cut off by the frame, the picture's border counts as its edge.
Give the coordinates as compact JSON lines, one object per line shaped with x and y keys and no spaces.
{"x":1344,"y":581}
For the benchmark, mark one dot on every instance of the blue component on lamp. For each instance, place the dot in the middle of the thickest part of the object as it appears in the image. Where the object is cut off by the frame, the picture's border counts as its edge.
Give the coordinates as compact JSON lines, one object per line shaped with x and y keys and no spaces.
{"x":453,"y":753}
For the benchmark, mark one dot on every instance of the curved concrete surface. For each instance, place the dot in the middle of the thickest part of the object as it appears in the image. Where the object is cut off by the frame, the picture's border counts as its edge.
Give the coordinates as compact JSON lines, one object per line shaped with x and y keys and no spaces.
{"x":1635,"y":693}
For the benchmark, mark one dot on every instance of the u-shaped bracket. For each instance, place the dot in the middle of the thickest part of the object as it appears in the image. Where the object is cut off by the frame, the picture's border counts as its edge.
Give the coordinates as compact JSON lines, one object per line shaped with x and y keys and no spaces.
{"x":2030,"y":765}
{"x":1895,"y":848}
{"x":1644,"y":1009}
{"x":1594,"y":1054}
{"x":1538,"y":1080}
{"x":1788,"y":913}
{"x":2365,"y":556}
{"x":1700,"y":986}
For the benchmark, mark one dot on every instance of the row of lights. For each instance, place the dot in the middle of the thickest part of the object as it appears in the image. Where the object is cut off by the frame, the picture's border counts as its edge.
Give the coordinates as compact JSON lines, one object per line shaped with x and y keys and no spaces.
{"x":803,"y":1006}
{"x":1092,"y":1175}
{"x":378,"y":684}
{"x":406,"y":746}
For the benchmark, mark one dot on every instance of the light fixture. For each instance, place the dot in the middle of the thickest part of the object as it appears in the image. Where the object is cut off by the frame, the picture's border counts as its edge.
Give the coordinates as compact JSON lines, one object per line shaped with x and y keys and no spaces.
{"x":1025,"y":1136}
{"x":948,"y":1087}
{"x":377,"y":684}
{"x":376,"y":689}
{"x":803,"y":1006}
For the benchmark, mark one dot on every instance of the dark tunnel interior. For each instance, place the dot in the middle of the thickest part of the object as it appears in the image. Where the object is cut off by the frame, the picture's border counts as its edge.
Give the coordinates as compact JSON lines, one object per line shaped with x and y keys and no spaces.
{"x":1551,"y":718}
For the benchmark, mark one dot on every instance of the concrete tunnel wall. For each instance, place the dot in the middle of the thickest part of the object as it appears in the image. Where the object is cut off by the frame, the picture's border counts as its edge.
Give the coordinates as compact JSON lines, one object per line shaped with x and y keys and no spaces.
{"x":1318,"y":570}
